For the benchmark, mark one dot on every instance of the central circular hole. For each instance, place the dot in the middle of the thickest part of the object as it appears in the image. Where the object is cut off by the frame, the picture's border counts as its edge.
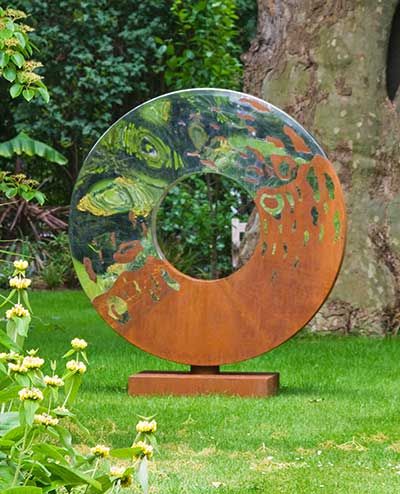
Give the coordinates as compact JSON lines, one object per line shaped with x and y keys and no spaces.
{"x":202,"y":223}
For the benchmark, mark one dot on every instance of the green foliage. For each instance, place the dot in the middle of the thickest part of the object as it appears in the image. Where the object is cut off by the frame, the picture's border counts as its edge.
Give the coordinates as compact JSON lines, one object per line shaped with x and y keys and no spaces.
{"x":36,"y":446}
{"x":58,"y":269}
{"x":23,"y":144}
{"x":194,"y":224}
{"x":202,"y":51}
{"x":16,"y":48}
{"x":101,"y":59}
{"x":18,"y":185}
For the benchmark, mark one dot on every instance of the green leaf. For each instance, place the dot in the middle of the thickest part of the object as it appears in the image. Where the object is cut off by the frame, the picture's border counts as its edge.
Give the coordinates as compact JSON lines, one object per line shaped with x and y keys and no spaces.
{"x":16,"y":90}
{"x":9,"y":73}
{"x":4,"y":58}
{"x":44,"y":94}
{"x":6,"y":443}
{"x":125,"y":453}
{"x":49,"y":451}
{"x":84,"y":356}
{"x":28,"y":411}
{"x":105,"y":482}
{"x":11,"y":192}
{"x":9,"y":297}
{"x":69,"y":353}
{"x":72,"y":385}
{"x":64,"y":436}
{"x":8,"y":421}
{"x":72,"y":477}
{"x":18,"y":59}
{"x":9,"y":393}
{"x":8,"y":343}
{"x":21,"y":38}
{"x":22,"y":325}
{"x":25,"y":298}
{"x":23,"y":144}
{"x":5,"y":33}
{"x":40,"y":197}
{"x":16,"y":433}
{"x":28,"y":94}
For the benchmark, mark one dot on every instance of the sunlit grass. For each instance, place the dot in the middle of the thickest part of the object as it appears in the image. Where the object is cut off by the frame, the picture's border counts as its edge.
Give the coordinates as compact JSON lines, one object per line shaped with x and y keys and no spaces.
{"x":334,"y":427}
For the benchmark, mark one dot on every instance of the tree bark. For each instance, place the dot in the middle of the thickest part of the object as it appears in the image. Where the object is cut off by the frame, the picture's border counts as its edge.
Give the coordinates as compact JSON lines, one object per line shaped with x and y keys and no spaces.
{"x":324,"y":62}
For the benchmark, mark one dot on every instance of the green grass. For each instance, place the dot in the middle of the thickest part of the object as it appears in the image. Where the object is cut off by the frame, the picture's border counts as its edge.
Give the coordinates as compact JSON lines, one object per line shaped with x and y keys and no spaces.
{"x":334,"y":427}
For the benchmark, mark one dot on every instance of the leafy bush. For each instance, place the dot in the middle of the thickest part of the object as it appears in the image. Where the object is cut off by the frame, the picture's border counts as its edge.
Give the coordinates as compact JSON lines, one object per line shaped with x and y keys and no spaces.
{"x":16,"y":49}
{"x":100,"y":61}
{"x":202,"y":50}
{"x":37,"y":454}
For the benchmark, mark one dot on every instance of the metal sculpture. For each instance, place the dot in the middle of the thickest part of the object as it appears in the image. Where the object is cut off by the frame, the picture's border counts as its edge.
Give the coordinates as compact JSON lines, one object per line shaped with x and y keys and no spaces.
{"x":146,"y":299}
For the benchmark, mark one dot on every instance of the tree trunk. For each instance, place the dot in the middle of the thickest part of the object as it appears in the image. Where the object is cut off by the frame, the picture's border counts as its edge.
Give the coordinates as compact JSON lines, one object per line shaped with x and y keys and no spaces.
{"x":325,"y":63}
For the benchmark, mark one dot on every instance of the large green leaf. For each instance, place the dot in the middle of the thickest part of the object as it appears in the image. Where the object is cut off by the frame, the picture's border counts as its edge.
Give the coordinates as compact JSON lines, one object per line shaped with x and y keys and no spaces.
{"x":125,"y":453}
{"x":72,"y":477}
{"x":7,"y":342}
{"x":8,"y":421}
{"x":46,"y":451}
{"x":23,"y":144}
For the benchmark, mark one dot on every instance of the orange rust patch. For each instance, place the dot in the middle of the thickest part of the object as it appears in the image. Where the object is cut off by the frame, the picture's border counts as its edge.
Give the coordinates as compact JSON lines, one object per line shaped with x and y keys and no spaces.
{"x":258,"y":105}
{"x":278,"y":143}
{"x":257,"y":153}
{"x":127,"y":251}
{"x":298,"y":142}
{"x":89,"y":269}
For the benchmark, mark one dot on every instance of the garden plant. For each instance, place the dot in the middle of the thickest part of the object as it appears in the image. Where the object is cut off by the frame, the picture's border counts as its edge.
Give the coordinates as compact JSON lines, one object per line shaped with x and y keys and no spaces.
{"x":37,"y":454}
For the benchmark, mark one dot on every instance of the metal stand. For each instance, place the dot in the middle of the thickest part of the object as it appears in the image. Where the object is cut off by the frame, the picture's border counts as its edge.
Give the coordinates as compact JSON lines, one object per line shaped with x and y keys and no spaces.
{"x":204,"y":380}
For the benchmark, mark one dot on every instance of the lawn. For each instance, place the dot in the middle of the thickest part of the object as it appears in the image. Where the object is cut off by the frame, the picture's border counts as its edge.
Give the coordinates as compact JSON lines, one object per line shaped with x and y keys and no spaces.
{"x":334,"y":427}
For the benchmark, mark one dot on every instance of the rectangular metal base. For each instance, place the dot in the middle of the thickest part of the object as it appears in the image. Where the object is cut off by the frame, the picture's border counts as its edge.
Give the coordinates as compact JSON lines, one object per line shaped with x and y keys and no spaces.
{"x":184,"y":383}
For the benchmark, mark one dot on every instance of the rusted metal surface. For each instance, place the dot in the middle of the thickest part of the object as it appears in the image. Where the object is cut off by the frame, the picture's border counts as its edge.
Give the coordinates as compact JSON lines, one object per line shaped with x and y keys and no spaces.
{"x":292,"y":270}
{"x":181,"y":383}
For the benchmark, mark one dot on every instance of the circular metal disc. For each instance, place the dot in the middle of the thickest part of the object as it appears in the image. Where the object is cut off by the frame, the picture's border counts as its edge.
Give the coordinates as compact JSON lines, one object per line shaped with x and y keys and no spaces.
{"x":113,"y":238}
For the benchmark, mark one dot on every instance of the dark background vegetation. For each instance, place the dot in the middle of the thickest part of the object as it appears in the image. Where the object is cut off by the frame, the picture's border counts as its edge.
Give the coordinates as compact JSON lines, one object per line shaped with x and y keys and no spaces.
{"x":100,"y":59}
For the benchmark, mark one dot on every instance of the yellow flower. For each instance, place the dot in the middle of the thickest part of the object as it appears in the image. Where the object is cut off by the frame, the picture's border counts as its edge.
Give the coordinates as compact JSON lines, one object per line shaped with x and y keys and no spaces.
{"x":76,"y":366}
{"x":20,"y":283}
{"x":117,"y":471}
{"x":78,"y":344}
{"x":146,"y":449}
{"x":100,"y":450}
{"x":53,"y":381}
{"x":30,"y":65}
{"x":33,"y":362}
{"x":33,"y":394}
{"x":17,"y":311}
{"x":18,"y":368}
{"x":146,"y":426}
{"x":45,"y":419}
{"x":10,"y":357}
{"x":21,"y":265}
{"x":11,"y":42}
{"x":29,"y":77}
{"x":15,"y":14}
